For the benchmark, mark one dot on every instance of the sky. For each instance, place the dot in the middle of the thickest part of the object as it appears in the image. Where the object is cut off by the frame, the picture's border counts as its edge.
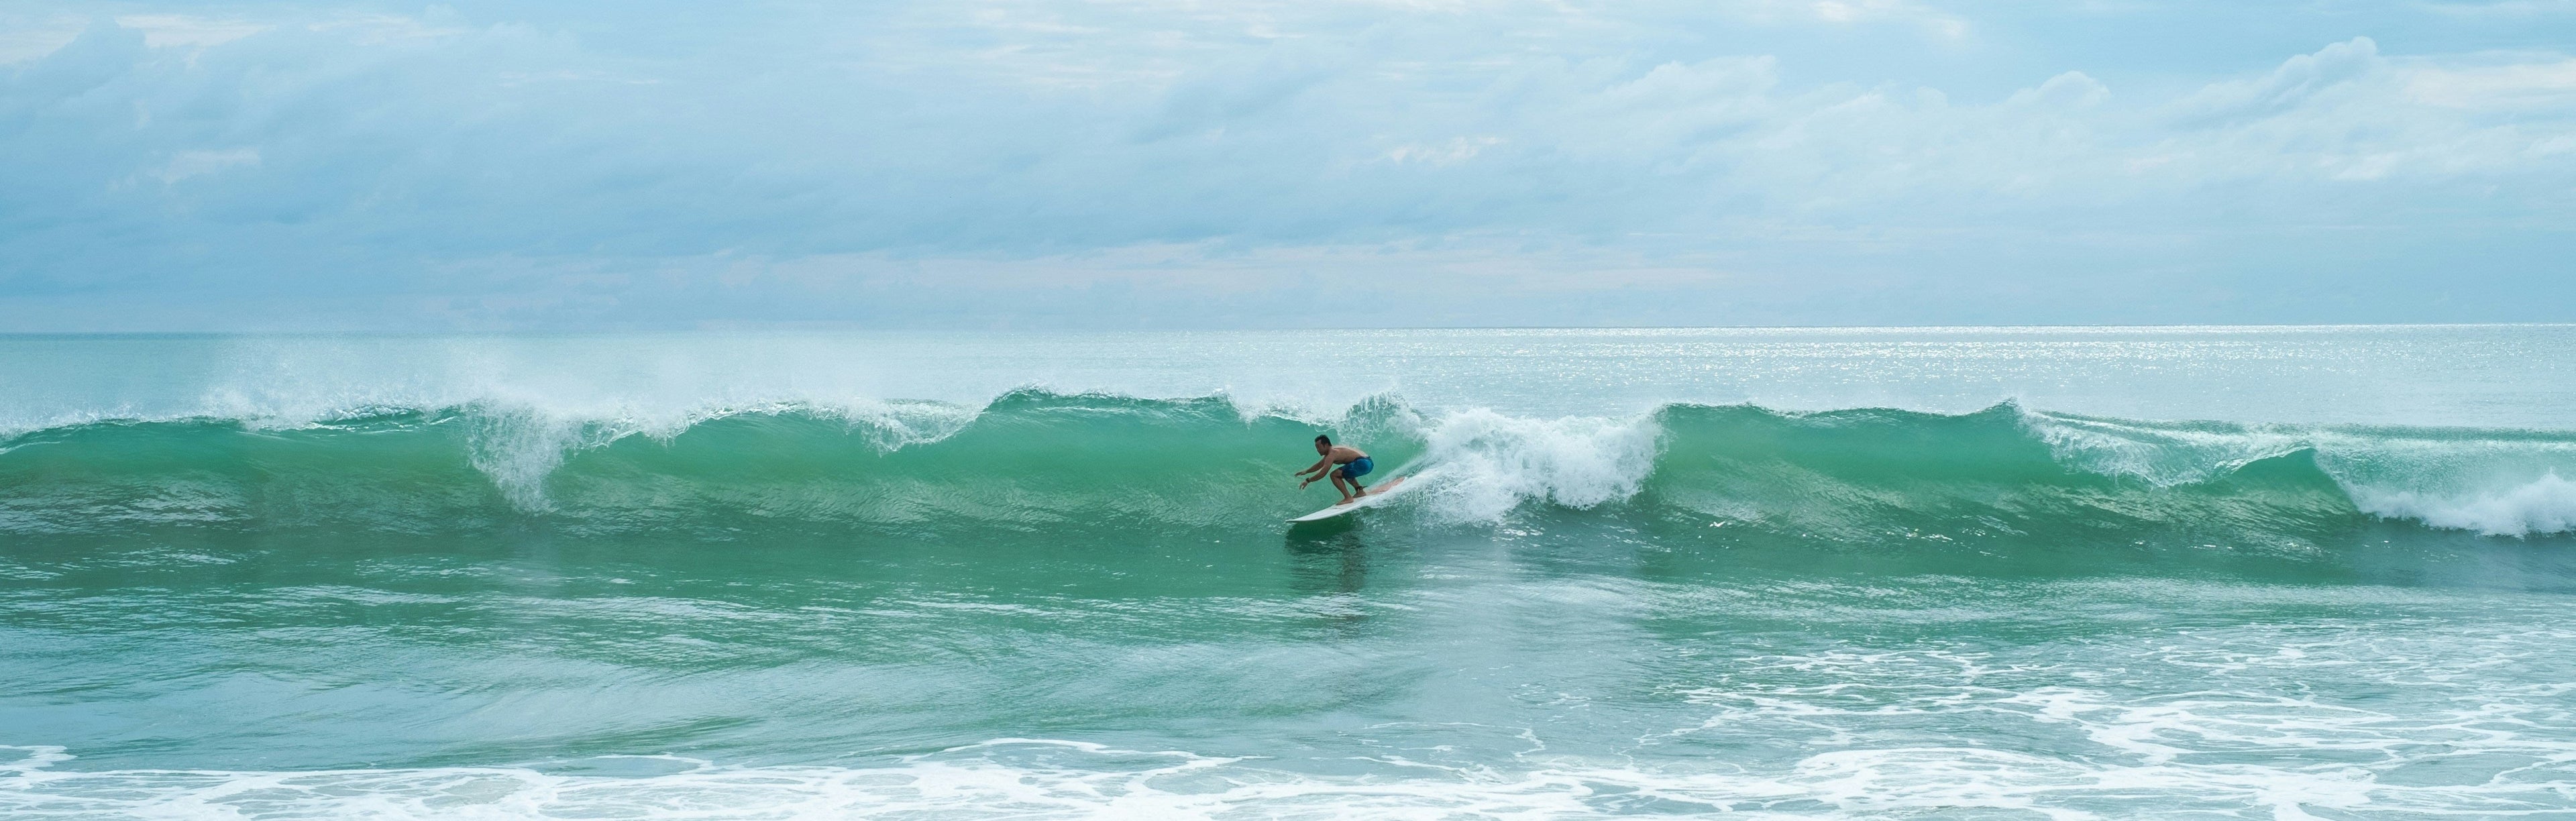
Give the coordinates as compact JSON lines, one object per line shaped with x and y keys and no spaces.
{"x":653,"y":164}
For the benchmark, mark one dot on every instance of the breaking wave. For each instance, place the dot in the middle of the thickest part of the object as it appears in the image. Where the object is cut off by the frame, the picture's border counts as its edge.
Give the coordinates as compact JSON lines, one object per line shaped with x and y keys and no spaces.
{"x":1034,"y":459}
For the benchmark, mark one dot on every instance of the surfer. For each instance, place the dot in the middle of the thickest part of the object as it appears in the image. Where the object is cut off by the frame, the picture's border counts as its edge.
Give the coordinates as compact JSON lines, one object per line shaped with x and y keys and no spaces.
{"x":1354,"y":465}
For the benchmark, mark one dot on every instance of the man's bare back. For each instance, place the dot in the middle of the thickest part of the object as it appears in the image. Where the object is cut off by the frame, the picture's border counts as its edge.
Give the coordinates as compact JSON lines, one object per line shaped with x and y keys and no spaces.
{"x":1353,"y":463}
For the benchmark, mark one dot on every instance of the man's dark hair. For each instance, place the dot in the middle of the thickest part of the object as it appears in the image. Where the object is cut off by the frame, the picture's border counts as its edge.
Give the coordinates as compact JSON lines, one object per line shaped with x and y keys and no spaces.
{"x":1324,"y":440}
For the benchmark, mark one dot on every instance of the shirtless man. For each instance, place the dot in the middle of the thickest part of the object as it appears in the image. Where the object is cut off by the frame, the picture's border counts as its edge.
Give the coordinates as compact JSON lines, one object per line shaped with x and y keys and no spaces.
{"x":1354,"y":465}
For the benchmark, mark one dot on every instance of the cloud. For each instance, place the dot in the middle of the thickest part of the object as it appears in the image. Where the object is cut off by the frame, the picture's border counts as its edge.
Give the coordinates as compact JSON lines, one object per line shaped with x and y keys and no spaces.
{"x":2544,"y":84}
{"x":2506,"y":8}
{"x":2070,"y":90}
{"x":1854,"y":11}
{"x":187,"y":164}
{"x":2348,"y":113}
{"x":584,"y":161}
{"x":25,"y":36}
{"x":166,"y":30}
{"x":1457,"y":150}
{"x":2296,"y":81}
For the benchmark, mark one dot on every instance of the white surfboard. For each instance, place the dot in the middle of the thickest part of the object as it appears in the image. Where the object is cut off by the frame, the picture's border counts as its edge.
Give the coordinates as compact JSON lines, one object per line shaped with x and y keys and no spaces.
{"x":1365,"y":500}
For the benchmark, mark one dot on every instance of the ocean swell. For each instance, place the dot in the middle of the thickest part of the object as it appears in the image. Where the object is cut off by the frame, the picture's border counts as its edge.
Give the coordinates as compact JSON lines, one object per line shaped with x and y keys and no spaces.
{"x":1037,"y":460}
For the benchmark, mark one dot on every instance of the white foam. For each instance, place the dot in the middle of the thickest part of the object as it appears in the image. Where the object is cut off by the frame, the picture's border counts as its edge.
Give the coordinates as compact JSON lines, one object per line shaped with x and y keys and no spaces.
{"x":2496,"y":484}
{"x":1026,"y":778}
{"x":2405,"y":717}
{"x":2162,"y":455}
{"x":2542,"y":506}
{"x":518,"y":447}
{"x":528,"y":403}
{"x":1482,"y":464}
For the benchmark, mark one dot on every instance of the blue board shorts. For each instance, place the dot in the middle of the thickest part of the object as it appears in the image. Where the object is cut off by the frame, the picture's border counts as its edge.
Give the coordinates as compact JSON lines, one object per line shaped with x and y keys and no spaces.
{"x":1357,"y":468}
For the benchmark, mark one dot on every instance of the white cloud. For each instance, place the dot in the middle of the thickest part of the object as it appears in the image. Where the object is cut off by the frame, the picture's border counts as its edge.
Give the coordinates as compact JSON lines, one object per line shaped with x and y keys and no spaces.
{"x":187,"y":164}
{"x":2546,"y":83}
{"x":2349,"y":113}
{"x":439,"y":22}
{"x":336,"y":151}
{"x":29,"y":36}
{"x":1860,"y":11}
{"x":2505,"y":8}
{"x":165,"y":30}
{"x":2072,"y":89}
{"x":1457,"y":150}
{"x":2295,"y":81}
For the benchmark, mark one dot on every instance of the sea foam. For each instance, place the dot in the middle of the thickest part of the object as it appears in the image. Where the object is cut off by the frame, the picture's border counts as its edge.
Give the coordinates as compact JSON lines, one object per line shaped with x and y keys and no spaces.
{"x":2545,"y":505}
{"x":1034,"y":455}
{"x":1481,"y":465}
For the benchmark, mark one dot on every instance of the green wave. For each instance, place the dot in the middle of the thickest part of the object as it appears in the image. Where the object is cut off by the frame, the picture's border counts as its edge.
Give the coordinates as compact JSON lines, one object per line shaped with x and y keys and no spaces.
{"x":1881,"y":475}
{"x":1038,"y":462}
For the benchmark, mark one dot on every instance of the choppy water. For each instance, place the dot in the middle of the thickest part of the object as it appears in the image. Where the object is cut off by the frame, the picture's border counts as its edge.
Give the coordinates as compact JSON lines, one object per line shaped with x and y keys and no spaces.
{"x":2063,"y":573}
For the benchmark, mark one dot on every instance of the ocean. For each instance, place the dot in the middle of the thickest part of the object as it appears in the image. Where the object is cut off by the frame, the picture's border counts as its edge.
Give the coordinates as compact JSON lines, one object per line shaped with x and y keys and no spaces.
{"x":2060,"y":573}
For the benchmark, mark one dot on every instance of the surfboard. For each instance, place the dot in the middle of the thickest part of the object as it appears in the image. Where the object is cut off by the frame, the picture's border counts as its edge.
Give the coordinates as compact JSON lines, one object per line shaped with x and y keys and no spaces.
{"x":1364,"y":500}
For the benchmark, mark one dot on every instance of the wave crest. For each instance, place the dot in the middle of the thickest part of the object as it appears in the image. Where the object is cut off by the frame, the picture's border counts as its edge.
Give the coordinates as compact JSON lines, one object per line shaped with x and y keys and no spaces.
{"x":1481,"y":465}
{"x":1034,"y":459}
{"x":2545,"y":505}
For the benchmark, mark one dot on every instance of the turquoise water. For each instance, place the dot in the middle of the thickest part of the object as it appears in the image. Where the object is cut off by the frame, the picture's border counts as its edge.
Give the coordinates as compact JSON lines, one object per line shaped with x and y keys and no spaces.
{"x":2046,"y":573}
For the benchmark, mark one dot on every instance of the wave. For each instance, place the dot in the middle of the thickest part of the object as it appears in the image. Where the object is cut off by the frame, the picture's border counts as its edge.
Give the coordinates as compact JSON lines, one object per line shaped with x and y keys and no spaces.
{"x":1034,"y":460}
{"x":1048,"y":778}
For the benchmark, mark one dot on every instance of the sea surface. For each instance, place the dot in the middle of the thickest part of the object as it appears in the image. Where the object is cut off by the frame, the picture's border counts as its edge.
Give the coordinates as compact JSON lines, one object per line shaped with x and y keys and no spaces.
{"x":2048,"y":573}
